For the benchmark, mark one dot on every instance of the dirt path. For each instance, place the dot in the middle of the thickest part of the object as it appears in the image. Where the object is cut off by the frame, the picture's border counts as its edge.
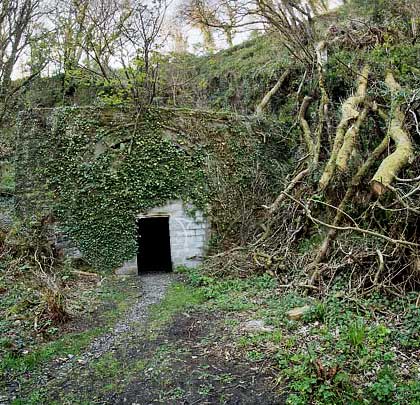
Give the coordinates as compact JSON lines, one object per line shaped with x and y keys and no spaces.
{"x":153,"y":288}
{"x":190,"y":360}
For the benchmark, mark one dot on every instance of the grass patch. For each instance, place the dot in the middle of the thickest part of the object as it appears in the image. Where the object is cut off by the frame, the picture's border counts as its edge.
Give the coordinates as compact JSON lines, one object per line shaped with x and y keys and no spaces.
{"x":344,"y":350}
{"x":7,"y":177}
{"x":178,"y":297}
{"x":68,"y":344}
{"x":107,"y":366}
{"x":114,"y":296}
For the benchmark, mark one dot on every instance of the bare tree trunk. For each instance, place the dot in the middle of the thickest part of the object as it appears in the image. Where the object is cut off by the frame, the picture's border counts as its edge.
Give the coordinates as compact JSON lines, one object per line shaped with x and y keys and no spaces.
{"x":307,"y":135}
{"x":391,"y":166}
{"x":266,"y":99}
{"x":349,"y":113}
{"x":350,"y":141}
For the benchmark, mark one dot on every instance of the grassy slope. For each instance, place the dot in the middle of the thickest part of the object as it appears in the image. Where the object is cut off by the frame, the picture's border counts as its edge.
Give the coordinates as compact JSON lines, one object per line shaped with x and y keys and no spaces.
{"x":238,"y":78}
{"x":232,"y":79}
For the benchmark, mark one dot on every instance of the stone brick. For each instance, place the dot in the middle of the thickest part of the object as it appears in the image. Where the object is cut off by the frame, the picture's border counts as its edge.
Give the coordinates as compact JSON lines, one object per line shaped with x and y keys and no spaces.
{"x":187,"y":234}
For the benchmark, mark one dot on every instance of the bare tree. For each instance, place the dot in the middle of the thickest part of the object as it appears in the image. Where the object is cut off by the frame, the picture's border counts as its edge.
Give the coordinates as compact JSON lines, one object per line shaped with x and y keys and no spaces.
{"x":142,"y":36}
{"x":85,"y":33}
{"x":292,"y":19}
{"x":179,"y":39}
{"x":70,"y":24}
{"x":201,"y":15}
{"x":17,"y":23}
{"x":225,"y":16}
{"x":105,"y":24}
{"x":112,"y":42}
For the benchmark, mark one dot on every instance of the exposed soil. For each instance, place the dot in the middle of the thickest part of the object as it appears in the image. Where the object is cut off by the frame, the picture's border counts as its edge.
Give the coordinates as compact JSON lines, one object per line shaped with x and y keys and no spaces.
{"x":192,"y":360}
{"x":201,"y":367}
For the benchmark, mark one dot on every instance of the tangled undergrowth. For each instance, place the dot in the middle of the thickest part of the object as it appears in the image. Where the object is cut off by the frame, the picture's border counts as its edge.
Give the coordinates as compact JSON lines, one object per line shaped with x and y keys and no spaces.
{"x":349,"y":206}
{"x":40,"y":295}
{"x":335,"y":138}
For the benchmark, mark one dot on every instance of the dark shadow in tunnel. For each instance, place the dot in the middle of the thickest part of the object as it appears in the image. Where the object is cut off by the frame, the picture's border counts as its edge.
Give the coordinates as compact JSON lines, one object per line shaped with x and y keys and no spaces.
{"x":153,"y":240}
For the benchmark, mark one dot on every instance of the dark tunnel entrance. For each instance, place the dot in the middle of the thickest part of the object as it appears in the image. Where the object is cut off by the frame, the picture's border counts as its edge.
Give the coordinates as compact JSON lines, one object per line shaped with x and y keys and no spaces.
{"x":154,"y":249}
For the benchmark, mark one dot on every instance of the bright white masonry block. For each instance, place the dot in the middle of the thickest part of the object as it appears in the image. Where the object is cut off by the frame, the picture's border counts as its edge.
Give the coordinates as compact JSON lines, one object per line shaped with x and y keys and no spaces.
{"x":189,"y":234}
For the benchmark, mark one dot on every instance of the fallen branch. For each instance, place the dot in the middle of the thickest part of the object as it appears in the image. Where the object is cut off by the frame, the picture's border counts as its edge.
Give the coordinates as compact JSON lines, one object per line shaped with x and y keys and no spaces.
{"x":307,"y":134}
{"x":402,"y":202}
{"x":349,"y":113}
{"x":322,"y":116}
{"x":350,"y":141}
{"x":86,"y":274}
{"x":380,"y":267}
{"x":273,"y":207}
{"x":355,"y":182}
{"x":353,"y":228}
{"x":266,"y":99}
{"x":392,"y":165}
{"x":407,"y":180}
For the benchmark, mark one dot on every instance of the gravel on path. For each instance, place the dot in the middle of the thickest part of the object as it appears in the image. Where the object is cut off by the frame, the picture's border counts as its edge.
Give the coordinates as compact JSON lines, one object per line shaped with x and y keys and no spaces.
{"x":153,"y":287}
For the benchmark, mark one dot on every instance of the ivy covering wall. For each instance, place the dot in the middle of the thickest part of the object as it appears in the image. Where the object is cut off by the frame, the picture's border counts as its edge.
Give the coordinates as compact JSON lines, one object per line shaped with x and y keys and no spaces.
{"x":95,"y":169}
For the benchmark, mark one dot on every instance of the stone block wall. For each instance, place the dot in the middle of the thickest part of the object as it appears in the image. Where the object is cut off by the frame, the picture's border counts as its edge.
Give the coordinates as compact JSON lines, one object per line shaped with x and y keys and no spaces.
{"x":188,"y":231}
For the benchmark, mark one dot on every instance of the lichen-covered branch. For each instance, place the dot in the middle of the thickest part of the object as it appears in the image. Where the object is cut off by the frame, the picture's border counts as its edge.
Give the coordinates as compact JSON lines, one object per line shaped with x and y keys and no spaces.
{"x":332,"y":232}
{"x":392,"y":165}
{"x":307,"y":134}
{"x":322,"y":59}
{"x":273,"y":207}
{"x":266,"y":99}
{"x":349,"y":113}
{"x":322,"y":113}
{"x":350,"y":141}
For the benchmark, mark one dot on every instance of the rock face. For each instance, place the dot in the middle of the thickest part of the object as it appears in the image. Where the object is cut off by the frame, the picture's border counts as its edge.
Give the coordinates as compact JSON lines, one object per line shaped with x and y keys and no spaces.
{"x":257,"y":325}
{"x":127,"y":271}
{"x":297,"y":313}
